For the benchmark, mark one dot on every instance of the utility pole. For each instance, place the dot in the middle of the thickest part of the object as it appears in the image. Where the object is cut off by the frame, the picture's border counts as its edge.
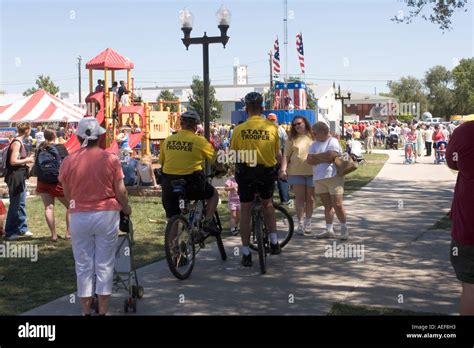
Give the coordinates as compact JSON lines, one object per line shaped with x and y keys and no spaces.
{"x":79,"y":60}
{"x":340,"y":97}
{"x":285,"y":36}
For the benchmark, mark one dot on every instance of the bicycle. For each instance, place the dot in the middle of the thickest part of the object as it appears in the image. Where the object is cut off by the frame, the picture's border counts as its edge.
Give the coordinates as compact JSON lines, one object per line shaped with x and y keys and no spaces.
{"x":260,"y":240}
{"x":184,"y":235}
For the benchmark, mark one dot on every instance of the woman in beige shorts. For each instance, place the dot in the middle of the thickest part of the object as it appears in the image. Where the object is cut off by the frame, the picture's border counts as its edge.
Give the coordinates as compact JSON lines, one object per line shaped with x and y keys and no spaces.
{"x":327,"y":184}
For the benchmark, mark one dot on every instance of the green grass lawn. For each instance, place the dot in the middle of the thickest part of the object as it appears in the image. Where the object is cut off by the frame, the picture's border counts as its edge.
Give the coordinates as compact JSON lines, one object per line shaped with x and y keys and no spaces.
{"x":29,"y":284}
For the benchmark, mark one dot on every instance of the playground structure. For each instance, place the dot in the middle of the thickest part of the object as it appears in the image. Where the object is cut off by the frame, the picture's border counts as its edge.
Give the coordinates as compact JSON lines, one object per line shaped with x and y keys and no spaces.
{"x":151,"y":125}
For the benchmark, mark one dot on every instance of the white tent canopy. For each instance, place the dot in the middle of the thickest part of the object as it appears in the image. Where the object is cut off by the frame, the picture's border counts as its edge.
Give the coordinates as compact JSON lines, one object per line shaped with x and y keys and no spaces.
{"x":40,"y":107}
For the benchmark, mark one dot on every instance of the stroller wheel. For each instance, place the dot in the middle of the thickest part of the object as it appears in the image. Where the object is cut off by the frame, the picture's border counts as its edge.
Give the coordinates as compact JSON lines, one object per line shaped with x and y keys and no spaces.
{"x":137,"y":291}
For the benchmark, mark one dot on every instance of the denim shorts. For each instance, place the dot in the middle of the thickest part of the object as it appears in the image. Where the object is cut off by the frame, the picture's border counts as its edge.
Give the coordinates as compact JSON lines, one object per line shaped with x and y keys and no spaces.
{"x":301,"y":180}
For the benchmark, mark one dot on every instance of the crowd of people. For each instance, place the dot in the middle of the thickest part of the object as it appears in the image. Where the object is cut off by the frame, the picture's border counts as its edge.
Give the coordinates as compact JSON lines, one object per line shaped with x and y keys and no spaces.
{"x":297,"y":155}
{"x":423,"y":135}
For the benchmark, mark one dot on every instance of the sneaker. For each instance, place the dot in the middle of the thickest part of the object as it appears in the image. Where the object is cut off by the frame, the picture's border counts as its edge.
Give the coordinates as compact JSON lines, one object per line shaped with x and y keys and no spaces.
{"x":290,"y":202}
{"x":275,"y":249}
{"x":246,"y":260}
{"x":344,"y":233}
{"x":326,"y":234}
{"x":307,"y":227}
{"x":234,"y":231}
{"x":27,"y":234}
{"x":300,"y":230}
{"x":13,"y":237}
{"x":210,"y":227}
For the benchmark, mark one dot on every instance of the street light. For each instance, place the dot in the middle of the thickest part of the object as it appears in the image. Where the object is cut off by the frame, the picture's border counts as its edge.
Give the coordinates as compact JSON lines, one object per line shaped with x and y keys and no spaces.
{"x":223,"y":17}
{"x":339,"y":96}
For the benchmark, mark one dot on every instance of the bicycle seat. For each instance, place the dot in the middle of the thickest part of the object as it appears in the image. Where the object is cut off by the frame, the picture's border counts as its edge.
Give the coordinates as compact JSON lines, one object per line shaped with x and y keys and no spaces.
{"x":179,"y":185}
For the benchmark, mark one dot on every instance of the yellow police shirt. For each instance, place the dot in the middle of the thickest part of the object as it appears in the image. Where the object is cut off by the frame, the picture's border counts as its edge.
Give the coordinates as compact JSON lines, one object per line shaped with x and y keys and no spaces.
{"x":260,"y":135}
{"x":184,"y":153}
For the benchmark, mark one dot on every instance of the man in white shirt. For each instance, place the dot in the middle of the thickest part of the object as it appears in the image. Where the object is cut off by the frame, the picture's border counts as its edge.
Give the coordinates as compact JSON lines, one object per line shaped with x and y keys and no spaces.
{"x":327,"y":183}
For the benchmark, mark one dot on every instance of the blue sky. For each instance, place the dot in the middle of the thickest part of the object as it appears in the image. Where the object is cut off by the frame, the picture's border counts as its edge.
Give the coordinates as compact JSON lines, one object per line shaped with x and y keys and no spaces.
{"x":346,"y":41}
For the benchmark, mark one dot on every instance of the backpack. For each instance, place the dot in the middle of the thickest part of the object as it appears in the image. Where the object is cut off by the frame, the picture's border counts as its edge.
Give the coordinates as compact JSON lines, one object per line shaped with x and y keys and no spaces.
{"x":4,"y":154}
{"x":48,"y":163}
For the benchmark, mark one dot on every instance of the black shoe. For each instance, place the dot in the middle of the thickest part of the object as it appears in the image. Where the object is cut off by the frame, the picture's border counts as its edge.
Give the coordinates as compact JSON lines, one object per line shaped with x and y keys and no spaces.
{"x":210,"y":227}
{"x":275,"y":249}
{"x":246,"y":260}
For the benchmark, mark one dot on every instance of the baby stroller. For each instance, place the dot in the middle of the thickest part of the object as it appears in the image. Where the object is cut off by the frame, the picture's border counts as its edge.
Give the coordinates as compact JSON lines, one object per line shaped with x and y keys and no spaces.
{"x":125,"y":273}
{"x":440,"y":152}
{"x":391,"y":142}
{"x":354,"y":149}
{"x":410,"y":149}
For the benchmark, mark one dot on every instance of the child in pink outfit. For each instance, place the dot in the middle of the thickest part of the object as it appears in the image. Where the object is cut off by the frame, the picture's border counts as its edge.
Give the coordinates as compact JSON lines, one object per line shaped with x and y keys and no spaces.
{"x":233,"y":204}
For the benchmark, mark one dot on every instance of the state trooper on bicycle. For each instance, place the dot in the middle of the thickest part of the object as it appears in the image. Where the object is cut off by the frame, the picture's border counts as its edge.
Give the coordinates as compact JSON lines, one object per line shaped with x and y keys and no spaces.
{"x":182,"y":156}
{"x":259,"y":135}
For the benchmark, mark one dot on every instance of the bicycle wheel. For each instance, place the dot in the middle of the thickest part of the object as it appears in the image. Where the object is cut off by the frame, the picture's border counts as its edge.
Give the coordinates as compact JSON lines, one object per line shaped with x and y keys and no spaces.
{"x":284,"y":225}
{"x":179,"y":247}
{"x":220,"y":245}
{"x":262,"y":251}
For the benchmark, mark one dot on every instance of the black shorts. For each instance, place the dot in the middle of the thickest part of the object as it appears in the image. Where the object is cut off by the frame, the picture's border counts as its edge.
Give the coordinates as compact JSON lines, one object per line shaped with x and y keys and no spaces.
{"x":252,"y":180}
{"x":197,"y":187}
{"x":462,"y":259}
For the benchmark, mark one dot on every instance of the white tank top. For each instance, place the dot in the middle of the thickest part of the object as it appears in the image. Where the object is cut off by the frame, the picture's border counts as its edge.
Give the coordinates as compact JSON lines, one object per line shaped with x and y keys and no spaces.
{"x":144,"y":172}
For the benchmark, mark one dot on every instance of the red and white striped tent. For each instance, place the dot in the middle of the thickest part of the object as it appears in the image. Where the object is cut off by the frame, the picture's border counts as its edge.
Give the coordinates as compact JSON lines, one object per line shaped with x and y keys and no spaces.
{"x":40,"y":107}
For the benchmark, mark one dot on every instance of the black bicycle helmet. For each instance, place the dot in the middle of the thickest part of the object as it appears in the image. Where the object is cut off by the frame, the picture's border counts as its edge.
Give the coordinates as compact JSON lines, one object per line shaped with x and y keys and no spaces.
{"x":254,"y":98}
{"x":191,"y":115}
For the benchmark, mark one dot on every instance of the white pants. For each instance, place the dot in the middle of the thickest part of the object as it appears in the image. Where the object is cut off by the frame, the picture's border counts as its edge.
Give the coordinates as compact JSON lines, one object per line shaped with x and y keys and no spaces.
{"x":94,"y":242}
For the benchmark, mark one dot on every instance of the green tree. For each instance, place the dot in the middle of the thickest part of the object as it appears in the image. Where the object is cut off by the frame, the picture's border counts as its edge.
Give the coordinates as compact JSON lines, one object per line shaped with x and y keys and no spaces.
{"x":438,"y":81}
{"x":408,"y":90}
{"x":440,"y":11}
{"x":43,"y":82}
{"x":196,"y":100}
{"x":463,"y":79}
{"x":167,"y":95}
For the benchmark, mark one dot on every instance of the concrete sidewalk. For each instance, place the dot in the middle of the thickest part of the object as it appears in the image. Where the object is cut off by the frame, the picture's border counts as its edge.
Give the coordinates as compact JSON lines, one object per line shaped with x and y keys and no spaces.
{"x":402,"y":260}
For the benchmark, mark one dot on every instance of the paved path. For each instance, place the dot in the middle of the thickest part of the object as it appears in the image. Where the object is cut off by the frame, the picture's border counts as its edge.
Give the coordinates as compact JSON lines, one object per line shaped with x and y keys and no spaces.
{"x":389,"y":217}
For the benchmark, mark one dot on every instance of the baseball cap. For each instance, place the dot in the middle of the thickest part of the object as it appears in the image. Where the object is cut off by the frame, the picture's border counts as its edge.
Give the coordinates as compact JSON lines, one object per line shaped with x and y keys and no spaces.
{"x":272,"y":117}
{"x":89,"y":129}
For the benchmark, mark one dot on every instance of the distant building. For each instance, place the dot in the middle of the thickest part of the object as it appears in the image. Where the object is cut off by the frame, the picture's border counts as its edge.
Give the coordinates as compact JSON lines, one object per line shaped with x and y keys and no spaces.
{"x":329,"y":109}
{"x":371,"y":107}
{"x":230,"y":96}
{"x":240,"y":75}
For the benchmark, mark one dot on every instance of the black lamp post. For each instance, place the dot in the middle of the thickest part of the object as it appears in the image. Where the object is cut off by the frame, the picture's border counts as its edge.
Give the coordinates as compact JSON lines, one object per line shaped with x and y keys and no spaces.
{"x":340,"y":97}
{"x":223,"y":16}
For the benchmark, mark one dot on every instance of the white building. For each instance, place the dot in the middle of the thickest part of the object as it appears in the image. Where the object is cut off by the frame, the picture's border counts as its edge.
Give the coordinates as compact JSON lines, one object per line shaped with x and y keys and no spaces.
{"x":329,"y":109}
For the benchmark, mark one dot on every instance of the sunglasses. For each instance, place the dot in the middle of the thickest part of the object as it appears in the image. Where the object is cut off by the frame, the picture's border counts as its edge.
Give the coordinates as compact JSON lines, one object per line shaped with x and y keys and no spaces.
{"x":297,"y":124}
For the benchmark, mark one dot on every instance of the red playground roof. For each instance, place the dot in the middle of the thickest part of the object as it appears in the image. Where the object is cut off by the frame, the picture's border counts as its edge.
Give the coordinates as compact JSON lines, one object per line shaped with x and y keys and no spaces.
{"x":109,"y":59}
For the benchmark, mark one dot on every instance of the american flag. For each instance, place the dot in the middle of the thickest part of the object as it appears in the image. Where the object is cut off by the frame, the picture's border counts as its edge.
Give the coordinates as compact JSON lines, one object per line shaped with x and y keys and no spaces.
{"x":276,"y":60}
{"x":299,"y":48}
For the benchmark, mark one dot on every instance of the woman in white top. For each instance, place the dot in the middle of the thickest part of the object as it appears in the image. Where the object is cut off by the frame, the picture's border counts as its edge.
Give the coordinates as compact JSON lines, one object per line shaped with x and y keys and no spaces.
{"x":298,"y":172}
{"x":328,"y":184}
{"x":145,"y":172}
